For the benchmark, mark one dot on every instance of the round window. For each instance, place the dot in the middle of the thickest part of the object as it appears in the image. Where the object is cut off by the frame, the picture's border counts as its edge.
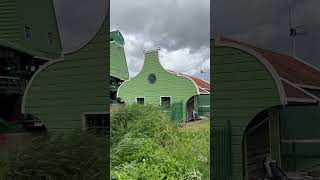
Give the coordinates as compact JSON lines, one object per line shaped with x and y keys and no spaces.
{"x":152,"y":78}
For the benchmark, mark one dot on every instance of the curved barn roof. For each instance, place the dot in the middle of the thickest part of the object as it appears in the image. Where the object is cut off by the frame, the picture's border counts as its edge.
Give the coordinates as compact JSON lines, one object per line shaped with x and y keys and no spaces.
{"x":299,"y":80}
{"x":203,"y":86}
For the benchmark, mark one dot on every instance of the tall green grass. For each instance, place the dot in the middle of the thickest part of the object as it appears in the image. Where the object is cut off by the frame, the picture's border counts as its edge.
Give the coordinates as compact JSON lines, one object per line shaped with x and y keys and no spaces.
{"x":74,"y":156}
{"x":145,"y":144}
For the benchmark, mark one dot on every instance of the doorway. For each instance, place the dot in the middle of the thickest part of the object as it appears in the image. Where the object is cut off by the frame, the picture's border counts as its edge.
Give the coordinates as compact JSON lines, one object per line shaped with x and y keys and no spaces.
{"x":190,"y":108}
{"x":256,"y":147}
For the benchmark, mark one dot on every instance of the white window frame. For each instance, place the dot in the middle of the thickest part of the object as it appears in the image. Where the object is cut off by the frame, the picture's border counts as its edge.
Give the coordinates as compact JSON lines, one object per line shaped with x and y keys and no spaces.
{"x":168,"y":97}
{"x":83,"y":117}
{"x":136,"y":98}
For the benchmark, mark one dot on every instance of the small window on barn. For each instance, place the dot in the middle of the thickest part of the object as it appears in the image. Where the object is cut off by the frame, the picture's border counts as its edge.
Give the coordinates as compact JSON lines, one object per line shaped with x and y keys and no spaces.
{"x":96,"y":122}
{"x":50,"y":38}
{"x":140,"y":100}
{"x":165,"y":101}
{"x":28,"y":32}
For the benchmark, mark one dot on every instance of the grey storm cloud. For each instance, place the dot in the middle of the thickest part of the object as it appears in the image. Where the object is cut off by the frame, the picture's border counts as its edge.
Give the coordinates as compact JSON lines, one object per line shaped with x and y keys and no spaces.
{"x":78,"y":19}
{"x":171,"y":24}
{"x":265,"y":23}
{"x":181,"y":28}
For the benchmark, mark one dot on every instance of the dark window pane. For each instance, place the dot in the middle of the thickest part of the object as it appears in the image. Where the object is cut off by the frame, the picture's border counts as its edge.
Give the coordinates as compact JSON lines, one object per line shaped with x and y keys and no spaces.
{"x":28,"y":33}
{"x":97,"y":121}
{"x":50,"y":38}
{"x":140,"y":100}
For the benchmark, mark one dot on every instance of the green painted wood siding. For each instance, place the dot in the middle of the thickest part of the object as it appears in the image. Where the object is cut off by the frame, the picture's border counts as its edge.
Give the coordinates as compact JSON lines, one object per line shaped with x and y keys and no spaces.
{"x":203,"y":105}
{"x":167,"y":84}
{"x":9,"y":29}
{"x":243,"y":88}
{"x":118,"y":63}
{"x":64,"y":90}
{"x":300,"y":123}
{"x":39,"y":15}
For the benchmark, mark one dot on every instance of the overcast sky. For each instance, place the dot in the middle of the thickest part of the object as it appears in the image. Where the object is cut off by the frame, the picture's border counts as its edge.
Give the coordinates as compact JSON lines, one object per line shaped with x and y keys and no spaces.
{"x":78,"y":19}
{"x":181,"y":28}
{"x":265,"y":23}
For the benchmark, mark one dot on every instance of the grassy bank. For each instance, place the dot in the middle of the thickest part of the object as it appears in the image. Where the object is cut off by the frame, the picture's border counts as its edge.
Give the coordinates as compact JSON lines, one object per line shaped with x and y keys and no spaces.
{"x":147,"y":145}
{"x":74,"y":156}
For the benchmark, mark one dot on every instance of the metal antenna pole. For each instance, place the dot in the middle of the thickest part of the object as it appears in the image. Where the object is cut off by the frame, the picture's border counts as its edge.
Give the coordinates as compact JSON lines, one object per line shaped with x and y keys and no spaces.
{"x":293,"y":32}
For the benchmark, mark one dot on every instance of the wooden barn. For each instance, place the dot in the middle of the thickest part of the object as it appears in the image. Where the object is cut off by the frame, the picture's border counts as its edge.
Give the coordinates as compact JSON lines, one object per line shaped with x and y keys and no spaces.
{"x":72,"y":92}
{"x":155,"y":85}
{"x":118,"y":64}
{"x":27,"y":41}
{"x":265,"y":104}
{"x":43,"y":86}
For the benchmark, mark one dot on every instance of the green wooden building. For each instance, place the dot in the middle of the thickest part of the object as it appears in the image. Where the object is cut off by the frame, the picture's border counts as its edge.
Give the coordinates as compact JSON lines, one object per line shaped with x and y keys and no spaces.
{"x":265,"y":104}
{"x":118,"y":64}
{"x":63,"y":90}
{"x":27,"y":41}
{"x":156,"y":85}
{"x":71,"y":92}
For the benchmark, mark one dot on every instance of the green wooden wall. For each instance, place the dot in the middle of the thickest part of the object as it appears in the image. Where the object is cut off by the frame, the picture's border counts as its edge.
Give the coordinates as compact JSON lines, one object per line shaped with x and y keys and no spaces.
{"x":167,"y":84}
{"x":9,"y":29}
{"x":64,"y":90}
{"x":118,"y":63}
{"x":243,"y":88}
{"x":203,"y":105}
{"x":39,"y":15}
{"x":300,"y":123}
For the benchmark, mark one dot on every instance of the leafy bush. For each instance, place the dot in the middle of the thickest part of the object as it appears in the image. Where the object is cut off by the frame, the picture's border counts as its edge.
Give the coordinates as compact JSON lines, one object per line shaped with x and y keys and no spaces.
{"x":79,"y":156}
{"x":147,"y":145}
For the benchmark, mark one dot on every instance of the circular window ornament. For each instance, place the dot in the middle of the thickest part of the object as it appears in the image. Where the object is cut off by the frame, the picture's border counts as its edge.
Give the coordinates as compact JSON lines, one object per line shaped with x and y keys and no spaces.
{"x":152,"y":78}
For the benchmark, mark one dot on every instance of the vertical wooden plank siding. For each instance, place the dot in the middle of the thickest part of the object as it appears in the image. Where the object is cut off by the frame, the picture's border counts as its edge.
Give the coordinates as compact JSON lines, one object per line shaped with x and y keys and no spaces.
{"x":242,"y":88}
{"x":64,"y":90}
{"x":179,"y":88}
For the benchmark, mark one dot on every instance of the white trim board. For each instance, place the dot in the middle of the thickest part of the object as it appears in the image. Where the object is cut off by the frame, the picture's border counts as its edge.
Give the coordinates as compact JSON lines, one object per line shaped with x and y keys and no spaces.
{"x":302,"y":100}
{"x":308,"y":86}
{"x":117,"y":43}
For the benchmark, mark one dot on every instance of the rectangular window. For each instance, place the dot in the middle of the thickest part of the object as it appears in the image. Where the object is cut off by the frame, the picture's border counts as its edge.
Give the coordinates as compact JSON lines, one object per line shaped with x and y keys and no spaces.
{"x":165,"y":101}
{"x":96,"y":122}
{"x":140,"y":100}
{"x":27,"y":31}
{"x":50,"y":38}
